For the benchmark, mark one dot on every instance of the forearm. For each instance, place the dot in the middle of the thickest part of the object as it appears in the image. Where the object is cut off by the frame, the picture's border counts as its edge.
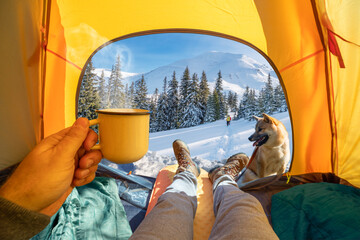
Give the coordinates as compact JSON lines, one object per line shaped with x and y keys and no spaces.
{"x":17,"y":222}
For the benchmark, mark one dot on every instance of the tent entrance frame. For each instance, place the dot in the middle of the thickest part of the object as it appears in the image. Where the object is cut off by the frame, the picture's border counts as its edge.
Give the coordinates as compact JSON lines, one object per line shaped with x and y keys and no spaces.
{"x":201,"y":32}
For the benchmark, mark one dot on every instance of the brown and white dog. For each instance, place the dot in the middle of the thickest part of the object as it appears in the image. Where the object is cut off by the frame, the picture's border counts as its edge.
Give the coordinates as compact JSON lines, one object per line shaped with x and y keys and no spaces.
{"x":273,"y":153}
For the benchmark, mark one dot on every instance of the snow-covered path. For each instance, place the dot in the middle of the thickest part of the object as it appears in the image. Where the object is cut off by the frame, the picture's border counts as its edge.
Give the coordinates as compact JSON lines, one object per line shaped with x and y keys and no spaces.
{"x":209,"y":144}
{"x":212,"y":141}
{"x":219,"y":140}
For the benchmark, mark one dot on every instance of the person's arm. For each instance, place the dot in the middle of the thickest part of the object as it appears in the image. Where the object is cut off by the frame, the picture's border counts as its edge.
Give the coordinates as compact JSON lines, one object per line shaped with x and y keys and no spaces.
{"x":17,"y":222}
{"x":47,"y":175}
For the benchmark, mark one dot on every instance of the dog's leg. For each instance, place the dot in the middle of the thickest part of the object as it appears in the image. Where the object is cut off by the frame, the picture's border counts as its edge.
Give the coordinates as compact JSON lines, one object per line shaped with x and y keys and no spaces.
{"x":260,"y":167}
{"x":248,"y":176}
{"x":281,"y":170}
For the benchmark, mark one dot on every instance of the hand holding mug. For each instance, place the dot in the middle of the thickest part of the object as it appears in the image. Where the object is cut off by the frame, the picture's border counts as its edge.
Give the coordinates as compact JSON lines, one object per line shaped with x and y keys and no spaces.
{"x":57,"y":164}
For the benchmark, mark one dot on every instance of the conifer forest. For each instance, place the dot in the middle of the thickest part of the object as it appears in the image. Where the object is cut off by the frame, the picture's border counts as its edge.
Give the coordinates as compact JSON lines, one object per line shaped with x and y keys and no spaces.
{"x":180,"y":103}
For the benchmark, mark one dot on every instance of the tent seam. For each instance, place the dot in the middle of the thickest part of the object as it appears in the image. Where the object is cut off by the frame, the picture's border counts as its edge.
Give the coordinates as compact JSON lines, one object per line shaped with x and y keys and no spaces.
{"x":66,"y":60}
{"x":329,"y":85}
{"x":45,"y":34}
{"x":336,"y":149}
{"x":358,"y":45}
{"x":301,"y":60}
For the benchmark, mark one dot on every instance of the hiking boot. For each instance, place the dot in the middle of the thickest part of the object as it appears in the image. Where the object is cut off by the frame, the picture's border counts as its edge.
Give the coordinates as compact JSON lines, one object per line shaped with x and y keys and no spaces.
{"x":232,"y":167}
{"x":182,"y":154}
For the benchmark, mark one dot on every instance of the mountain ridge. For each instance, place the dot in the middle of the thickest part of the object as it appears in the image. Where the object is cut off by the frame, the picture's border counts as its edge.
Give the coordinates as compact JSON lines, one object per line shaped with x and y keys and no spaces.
{"x":238,"y":71}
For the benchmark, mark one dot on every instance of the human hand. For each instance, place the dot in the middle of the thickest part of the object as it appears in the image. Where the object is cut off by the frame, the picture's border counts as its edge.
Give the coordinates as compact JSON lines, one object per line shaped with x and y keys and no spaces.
{"x":56,"y":165}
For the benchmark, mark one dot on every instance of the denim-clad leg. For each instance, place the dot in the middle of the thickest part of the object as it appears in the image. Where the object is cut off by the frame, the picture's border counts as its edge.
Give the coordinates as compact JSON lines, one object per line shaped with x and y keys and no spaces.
{"x":173,"y":215}
{"x":223,"y":181}
{"x":239,"y":215}
{"x":183,"y":182}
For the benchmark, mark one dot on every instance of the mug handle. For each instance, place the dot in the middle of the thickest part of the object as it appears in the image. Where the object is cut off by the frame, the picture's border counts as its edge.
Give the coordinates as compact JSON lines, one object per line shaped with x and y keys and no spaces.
{"x":92,"y":123}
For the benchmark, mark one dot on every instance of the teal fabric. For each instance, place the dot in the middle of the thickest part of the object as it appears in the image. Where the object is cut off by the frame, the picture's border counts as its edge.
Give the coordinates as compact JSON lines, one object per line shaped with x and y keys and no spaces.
{"x":93,"y":211}
{"x":317,"y":211}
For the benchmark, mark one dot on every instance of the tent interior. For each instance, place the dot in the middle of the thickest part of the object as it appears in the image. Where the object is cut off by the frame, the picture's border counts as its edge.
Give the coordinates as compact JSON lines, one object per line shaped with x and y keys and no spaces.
{"x":313,"y":45}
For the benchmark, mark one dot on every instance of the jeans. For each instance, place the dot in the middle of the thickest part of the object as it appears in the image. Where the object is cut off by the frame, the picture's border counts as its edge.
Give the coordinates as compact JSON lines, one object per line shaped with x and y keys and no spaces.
{"x":238,"y":214}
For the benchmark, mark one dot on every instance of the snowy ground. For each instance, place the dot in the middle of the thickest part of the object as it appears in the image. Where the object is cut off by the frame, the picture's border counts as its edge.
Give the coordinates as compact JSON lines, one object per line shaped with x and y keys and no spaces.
{"x":210,"y":144}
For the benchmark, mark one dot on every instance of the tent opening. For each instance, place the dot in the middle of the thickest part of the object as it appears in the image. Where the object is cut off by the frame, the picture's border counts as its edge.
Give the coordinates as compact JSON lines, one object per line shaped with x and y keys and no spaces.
{"x":200,"y":88}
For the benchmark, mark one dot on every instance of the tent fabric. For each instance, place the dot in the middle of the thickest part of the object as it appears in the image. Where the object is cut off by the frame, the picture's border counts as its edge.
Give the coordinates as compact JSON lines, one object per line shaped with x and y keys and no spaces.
{"x":286,"y":43}
{"x":46,"y":45}
{"x":20,"y":73}
{"x":344,"y":18}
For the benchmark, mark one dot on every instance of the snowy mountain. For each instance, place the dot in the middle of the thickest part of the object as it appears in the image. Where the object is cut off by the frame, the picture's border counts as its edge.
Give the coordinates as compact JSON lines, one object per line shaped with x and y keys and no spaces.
{"x":238,"y":71}
{"x":107,"y":72}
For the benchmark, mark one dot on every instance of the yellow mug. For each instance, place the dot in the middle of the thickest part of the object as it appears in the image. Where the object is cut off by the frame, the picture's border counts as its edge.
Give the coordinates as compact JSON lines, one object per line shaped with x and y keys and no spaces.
{"x":123,"y":134}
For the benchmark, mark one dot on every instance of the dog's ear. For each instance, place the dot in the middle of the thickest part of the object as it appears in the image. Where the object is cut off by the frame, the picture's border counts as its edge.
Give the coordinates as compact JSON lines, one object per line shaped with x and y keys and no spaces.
{"x":269,"y":119}
{"x":256,"y":118}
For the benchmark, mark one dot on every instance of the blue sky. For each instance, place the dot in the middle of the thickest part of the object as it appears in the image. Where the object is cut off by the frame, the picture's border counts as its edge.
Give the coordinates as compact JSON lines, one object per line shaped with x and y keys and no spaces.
{"x":145,"y":53}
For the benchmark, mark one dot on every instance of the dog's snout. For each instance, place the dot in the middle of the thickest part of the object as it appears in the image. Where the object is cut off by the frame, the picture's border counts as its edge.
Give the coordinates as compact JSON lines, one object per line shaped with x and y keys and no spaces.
{"x":250,"y":138}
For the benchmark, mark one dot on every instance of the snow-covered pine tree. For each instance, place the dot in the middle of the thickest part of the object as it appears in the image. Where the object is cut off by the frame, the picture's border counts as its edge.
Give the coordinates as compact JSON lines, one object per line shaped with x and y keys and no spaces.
{"x":127,"y":90}
{"x":226,"y":105}
{"x":235,"y":102}
{"x":232,"y":101}
{"x":153,"y":109}
{"x":162,"y":110}
{"x":140,"y":95}
{"x":161,"y":113}
{"x":204,"y":93}
{"x":218,"y":83}
{"x":103,"y":94}
{"x":241,"y":111}
{"x":277,"y":98}
{"x":116,"y":87}
{"x":184,"y":100}
{"x":261,"y":103}
{"x":185,"y":83}
{"x":284,"y":106}
{"x":217,"y":107}
{"x":192,"y":115}
{"x":280,"y":100}
{"x":219,"y":89}
{"x":234,"y":107}
{"x":108,"y":89}
{"x":252,"y":105}
{"x":269,"y":96}
{"x":89,"y":100}
{"x":173,"y":102}
{"x":155,"y":96}
{"x":244,"y":104}
{"x":229,"y":100}
{"x":131,"y":95}
{"x":210,"y":110}
{"x":165,"y":86}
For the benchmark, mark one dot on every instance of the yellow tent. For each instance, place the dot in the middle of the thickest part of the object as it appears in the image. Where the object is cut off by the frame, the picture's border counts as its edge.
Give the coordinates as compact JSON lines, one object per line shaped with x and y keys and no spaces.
{"x":314,"y":45}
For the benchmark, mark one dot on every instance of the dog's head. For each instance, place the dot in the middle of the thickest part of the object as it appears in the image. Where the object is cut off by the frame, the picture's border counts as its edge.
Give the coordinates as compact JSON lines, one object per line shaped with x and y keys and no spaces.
{"x":265,"y":129}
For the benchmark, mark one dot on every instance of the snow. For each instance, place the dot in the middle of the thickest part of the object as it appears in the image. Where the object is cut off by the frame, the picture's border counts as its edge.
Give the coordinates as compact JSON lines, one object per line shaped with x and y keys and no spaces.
{"x":238,"y":71}
{"x":107,"y":73}
{"x":210,"y":145}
